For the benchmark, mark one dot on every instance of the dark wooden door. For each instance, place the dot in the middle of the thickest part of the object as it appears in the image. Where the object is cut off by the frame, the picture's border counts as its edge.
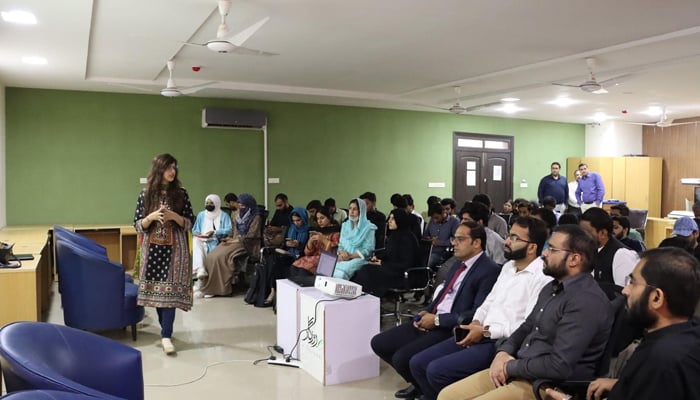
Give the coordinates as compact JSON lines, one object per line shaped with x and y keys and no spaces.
{"x":483,"y":164}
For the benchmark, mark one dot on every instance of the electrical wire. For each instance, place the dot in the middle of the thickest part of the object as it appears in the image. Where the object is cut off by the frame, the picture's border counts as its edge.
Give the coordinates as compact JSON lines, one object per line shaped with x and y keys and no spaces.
{"x":202,"y":375}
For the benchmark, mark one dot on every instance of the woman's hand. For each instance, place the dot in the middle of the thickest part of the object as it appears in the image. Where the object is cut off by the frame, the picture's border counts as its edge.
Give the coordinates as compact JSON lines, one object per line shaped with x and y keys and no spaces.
{"x":156,"y":216}
{"x":170,"y":215}
{"x":343,"y":255}
{"x":375,"y":261}
{"x":292,"y":243}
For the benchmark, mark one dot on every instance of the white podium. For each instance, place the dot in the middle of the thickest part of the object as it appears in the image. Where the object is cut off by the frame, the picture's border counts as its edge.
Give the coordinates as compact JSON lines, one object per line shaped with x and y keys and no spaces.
{"x":336,"y":346}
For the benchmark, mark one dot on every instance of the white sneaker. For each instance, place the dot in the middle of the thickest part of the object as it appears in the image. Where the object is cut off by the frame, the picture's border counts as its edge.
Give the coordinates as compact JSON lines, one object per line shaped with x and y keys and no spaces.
{"x":202,"y":273}
{"x":198,"y":294}
{"x":168,"y":347}
{"x":208,"y":296}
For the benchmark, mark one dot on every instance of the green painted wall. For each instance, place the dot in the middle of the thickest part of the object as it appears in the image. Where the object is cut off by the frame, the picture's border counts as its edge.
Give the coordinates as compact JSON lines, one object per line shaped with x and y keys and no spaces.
{"x":76,"y":157}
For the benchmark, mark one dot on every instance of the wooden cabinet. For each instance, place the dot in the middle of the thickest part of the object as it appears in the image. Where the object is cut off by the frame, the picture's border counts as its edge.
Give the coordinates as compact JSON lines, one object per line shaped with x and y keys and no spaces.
{"x":636,"y":180}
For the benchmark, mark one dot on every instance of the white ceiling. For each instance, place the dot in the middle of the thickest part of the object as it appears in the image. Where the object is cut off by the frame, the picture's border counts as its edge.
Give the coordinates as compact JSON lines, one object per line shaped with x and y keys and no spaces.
{"x":376,"y":53}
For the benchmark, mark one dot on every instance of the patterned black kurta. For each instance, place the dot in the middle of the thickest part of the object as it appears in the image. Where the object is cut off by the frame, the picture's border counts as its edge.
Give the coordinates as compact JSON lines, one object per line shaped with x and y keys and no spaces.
{"x":165,"y":278}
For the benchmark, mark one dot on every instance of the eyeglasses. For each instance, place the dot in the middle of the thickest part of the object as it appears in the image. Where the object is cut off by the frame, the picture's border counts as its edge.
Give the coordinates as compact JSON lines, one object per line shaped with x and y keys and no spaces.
{"x":460,"y":239}
{"x":515,"y":238}
{"x":629,"y":280}
{"x":553,"y":249}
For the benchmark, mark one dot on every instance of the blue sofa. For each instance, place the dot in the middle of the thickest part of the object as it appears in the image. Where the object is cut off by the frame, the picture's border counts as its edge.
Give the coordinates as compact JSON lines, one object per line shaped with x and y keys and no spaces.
{"x":94,"y":293}
{"x":39,"y":355}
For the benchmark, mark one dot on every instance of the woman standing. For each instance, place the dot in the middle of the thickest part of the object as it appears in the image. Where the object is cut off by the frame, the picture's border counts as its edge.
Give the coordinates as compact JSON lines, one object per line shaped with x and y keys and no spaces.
{"x":164,"y":216}
{"x":356,"y":240}
{"x":211,"y":226}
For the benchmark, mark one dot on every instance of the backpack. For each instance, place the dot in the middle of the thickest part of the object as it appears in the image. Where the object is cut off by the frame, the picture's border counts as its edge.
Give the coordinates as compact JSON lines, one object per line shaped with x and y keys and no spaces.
{"x":259,"y":286}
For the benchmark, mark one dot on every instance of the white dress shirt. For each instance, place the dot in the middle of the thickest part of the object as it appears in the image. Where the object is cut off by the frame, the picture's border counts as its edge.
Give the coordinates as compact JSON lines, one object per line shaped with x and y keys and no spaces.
{"x":512,"y":298}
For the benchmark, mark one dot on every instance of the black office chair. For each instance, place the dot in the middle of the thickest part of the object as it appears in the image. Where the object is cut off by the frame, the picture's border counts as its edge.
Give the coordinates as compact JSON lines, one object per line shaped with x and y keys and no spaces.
{"x":638,"y":220}
{"x":418,"y":281}
{"x":621,"y":335}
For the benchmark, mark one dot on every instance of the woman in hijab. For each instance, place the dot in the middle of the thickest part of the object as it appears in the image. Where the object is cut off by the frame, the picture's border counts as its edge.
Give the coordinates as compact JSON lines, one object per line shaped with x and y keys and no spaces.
{"x":211,"y":226}
{"x":386,"y":269}
{"x":222,"y":264}
{"x":356,"y":240}
{"x":324,"y":238}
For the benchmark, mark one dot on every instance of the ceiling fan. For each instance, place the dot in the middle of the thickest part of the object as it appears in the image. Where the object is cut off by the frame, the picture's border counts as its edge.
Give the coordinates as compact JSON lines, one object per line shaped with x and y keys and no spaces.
{"x":171,"y":89}
{"x":458,"y":108}
{"x":592,"y":85}
{"x":663,"y":121}
{"x":233,"y":43}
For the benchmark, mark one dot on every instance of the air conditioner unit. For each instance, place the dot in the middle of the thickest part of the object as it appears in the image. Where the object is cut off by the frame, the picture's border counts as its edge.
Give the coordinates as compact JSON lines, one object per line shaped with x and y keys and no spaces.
{"x":229,"y":118}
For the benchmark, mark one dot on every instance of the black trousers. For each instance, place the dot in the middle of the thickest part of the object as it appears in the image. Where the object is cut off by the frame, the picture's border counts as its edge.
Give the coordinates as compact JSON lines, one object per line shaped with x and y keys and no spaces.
{"x":397,"y":345}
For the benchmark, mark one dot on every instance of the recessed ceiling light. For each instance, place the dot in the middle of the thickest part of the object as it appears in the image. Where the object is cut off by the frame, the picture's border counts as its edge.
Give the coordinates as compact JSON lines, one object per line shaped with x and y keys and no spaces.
{"x":562,"y":101}
{"x":19,"y":17}
{"x":510,"y":108}
{"x":653,"y":111}
{"x":510,"y":99}
{"x":600,"y":117}
{"x":34,"y":60}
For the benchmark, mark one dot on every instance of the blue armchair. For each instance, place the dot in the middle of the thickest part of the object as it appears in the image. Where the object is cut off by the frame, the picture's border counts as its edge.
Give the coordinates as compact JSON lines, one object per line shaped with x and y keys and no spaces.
{"x":45,"y":395}
{"x":39,"y":355}
{"x":94,"y":294}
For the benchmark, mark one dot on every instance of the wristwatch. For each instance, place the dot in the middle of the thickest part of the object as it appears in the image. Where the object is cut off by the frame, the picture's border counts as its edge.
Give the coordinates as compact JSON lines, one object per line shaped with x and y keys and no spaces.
{"x":437,"y":320}
{"x":486,"y":333}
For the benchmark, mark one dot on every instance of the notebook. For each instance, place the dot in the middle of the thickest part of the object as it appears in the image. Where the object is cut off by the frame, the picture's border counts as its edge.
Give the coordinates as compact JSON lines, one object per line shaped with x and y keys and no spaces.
{"x":326,"y":267}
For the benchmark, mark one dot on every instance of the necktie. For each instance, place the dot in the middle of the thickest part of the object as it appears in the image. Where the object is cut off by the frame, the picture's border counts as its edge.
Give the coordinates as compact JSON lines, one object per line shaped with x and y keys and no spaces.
{"x":449,"y":286}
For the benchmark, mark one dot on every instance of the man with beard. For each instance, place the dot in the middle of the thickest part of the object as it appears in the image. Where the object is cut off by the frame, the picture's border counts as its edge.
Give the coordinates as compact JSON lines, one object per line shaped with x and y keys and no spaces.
{"x":562,"y":338}
{"x":661,"y":295}
{"x":621,"y":228}
{"x":468,"y":283}
{"x":510,"y":301}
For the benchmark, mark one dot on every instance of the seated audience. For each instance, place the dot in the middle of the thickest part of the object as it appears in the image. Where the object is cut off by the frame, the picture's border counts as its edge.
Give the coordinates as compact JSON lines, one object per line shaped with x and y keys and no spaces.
{"x":450,"y":207}
{"x":312,"y":208}
{"x":621,"y":210}
{"x":568,"y":219}
{"x":275,"y":231}
{"x":338,"y":214}
{"x":431,"y":200}
{"x":376,"y":217}
{"x":410,"y":207}
{"x":562,"y":338}
{"x":209,"y":228}
{"x":495,"y":221}
{"x":469,"y":282}
{"x":505,"y":308}
{"x":621,"y":228}
{"x":414,"y":222}
{"x":685,"y":236}
{"x":356,"y":244}
{"x":661,"y":292}
{"x":293,"y":248}
{"x":230,"y":205}
{"x":324,"y":238}
{"x":386,"y":268}
{"x":223,"y":263}
{"x":440,"y":230}
{"x":477,"y":212}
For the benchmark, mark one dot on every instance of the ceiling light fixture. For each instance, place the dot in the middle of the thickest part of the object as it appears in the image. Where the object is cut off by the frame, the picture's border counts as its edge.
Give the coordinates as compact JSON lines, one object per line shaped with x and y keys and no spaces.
{"x":600,"y":117}
{"x":653,"y":111}
{"x":562,"y":102}
{"x":19,"y":17}
{"x":510,"y":108}
{"x":34,"y":60}
{"x":510,"y":99}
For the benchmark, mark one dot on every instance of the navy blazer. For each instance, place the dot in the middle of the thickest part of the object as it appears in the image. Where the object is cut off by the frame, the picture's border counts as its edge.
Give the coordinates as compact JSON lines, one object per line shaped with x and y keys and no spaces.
{"x":471,"y":293}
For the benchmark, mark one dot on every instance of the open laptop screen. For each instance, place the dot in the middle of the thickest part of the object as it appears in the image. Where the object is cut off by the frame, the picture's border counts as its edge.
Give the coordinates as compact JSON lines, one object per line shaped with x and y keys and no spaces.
{"x":326,"y":264}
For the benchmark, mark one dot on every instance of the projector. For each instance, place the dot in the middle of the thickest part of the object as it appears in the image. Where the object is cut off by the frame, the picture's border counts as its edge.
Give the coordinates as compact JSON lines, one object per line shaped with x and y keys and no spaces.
{"x":338,"y":287}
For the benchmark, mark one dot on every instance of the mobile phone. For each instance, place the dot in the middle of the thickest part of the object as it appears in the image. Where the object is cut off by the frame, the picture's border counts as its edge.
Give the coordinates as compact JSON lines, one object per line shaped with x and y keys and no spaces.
{"x":460,"y":333}
{"x":417,"y":318}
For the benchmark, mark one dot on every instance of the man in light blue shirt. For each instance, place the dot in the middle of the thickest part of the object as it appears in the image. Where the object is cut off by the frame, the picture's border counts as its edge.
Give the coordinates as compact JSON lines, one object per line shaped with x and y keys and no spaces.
{"x":590,"y":191}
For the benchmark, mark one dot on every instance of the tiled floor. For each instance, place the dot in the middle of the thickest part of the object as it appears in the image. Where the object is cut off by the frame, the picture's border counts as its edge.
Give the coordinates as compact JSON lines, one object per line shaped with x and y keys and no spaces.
{"x":217,"y":343}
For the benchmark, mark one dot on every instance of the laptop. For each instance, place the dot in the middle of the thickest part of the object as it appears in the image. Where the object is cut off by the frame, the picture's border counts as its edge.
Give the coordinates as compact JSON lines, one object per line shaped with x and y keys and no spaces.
{"x":326,"y":267}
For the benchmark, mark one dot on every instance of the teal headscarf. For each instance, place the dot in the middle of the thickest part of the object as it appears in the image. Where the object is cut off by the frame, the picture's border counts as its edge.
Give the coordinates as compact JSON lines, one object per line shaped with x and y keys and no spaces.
{"x":352,"y":238}
{"x":298,"y":233}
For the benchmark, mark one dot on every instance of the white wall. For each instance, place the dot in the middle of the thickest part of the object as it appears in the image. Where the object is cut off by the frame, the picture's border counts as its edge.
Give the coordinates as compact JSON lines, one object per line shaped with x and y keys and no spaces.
{"x":613,"y":139}
{"x":3,"y":188}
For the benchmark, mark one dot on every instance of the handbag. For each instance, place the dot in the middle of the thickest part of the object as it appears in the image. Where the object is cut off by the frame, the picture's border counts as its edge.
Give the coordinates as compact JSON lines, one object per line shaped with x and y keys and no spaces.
{"x":6,"y":255}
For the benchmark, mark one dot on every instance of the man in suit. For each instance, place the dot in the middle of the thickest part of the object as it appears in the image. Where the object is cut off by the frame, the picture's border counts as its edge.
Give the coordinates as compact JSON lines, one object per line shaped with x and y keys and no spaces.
{"x":468,"y":283}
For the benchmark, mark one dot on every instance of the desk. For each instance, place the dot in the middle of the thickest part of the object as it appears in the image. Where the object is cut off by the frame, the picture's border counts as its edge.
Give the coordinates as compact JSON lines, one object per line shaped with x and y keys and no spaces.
{"x":25,"y":291}
{"x":656,"y":230}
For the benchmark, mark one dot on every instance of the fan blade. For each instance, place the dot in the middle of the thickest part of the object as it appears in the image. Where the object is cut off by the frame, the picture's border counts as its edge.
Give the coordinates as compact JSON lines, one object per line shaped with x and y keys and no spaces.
{"x":131,"y":87}
{"x":565,"y":84}
{"x":193,"y":44}
{"x":482,"y":106}
{"x":241,"y":37}
{"x":252,"y":52}
{"x":432,"y":106}
{"x":640,"y":123}
{"x":196,"y":88}
{"x":682,"y":123}
{"x":616,"y":80}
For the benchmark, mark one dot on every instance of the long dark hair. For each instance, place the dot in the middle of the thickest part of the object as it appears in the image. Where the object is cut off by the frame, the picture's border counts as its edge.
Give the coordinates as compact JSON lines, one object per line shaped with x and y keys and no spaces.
{"x":175,"y":195}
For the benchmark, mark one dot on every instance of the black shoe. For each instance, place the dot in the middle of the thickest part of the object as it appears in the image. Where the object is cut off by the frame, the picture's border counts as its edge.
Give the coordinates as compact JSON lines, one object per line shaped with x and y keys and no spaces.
{"x":410,"y":392}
